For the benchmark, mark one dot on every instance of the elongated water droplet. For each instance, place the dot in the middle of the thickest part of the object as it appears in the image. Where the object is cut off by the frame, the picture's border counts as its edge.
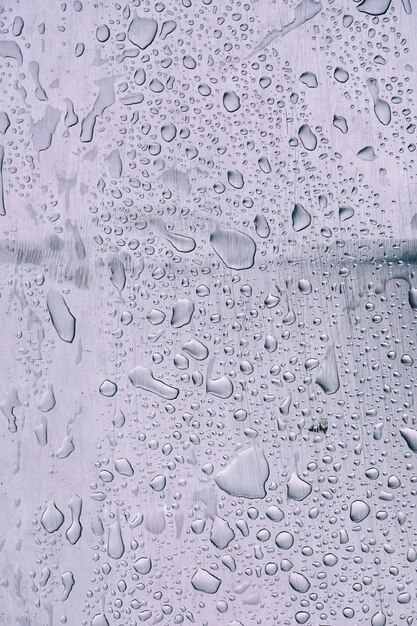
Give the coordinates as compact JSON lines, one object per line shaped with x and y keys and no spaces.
{"x":61,"y":317}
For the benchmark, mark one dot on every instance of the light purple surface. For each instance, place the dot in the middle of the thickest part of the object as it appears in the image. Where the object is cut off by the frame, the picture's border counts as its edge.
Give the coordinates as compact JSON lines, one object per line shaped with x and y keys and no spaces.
{"x":208,"y":313}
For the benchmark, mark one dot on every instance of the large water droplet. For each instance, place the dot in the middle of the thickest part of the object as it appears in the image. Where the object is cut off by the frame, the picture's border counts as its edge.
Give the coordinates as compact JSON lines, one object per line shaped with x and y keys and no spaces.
{"x":246,"y":475}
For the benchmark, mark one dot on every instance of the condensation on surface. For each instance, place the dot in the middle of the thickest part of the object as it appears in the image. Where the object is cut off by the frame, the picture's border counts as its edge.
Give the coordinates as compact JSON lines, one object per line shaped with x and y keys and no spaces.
{"x":208,"y":305}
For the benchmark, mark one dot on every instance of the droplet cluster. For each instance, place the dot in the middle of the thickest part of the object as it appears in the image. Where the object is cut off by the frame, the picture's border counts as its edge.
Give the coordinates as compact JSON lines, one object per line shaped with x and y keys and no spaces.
{"x":208,"y":311}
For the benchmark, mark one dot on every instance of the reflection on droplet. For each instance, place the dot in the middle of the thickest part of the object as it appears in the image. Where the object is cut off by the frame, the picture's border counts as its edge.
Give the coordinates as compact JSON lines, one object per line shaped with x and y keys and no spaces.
{"x":246,"y":475}
{"x":299,"y":582}
{"x":236,"y":249}
{"x":143,"y":378}
{"x":115,"y":544}
{"x":301,"y":218}
{"x":359,"y":511}
{"x":231,"y":101}
{"x":297,"y":488}
{"x":61,"y":317}
{"x":328,"y":377}
{"x":108,"y":388}
{"x":202,"y":580}
{"x":307,"y":137}
{"x":52,"y":518}
{"x":262,"y":226}
{"x":142,"y":31}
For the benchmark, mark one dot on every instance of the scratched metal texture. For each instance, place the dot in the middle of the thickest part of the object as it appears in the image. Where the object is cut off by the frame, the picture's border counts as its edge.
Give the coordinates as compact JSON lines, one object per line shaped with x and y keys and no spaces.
{"x":208,"y":313}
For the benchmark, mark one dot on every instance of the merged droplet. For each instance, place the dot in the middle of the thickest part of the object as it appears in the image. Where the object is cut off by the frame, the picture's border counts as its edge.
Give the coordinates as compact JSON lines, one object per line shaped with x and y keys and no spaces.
{"x":202,"y":580}
{"x":307,"y":137}
{"x":298,"y":488}
{"x":236,"y":249}
{"x":246,"y":475}
{"x":143,"y":378}
{"x":52,"y":518}
{"x":61,"y":317}
{"x":142,"y":31}
{"x":328,"y":376}
{"x":182,"y":312}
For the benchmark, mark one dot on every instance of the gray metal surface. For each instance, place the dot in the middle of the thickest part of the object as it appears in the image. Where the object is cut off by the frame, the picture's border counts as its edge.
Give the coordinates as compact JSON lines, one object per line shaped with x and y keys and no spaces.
{"x":208,"y":313}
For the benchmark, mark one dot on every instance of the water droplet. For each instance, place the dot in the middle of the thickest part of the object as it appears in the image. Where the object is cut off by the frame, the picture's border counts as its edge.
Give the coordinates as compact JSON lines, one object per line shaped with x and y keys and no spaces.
{"x":246,"y":475}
